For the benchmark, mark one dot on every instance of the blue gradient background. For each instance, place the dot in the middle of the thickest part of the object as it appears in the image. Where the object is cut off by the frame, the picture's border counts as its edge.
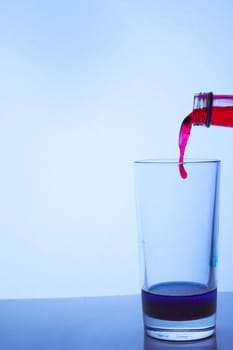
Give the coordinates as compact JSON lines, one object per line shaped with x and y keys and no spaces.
{"x":86,"y":88}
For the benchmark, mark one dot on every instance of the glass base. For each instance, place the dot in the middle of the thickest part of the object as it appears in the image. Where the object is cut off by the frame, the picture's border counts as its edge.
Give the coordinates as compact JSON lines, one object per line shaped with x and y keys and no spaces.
{"x":180,"y":330}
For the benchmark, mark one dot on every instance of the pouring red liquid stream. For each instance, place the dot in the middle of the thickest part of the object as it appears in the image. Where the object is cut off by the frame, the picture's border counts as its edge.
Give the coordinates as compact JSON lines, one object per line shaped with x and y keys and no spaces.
{"x":220,"y":116}
{"x":185,"y":131}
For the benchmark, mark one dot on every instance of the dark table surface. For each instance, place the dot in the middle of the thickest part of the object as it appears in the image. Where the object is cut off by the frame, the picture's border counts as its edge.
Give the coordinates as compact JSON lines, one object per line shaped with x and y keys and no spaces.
{"x":95,"y":323}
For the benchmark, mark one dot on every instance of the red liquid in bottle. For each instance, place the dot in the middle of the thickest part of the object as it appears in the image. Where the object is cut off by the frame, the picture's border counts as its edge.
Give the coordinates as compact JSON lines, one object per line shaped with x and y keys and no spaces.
{"x":220,"y":116}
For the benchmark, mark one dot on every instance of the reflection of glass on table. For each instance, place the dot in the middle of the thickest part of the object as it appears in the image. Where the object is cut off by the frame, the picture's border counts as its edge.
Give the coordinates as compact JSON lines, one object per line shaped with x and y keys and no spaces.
{"x":203,"y":344}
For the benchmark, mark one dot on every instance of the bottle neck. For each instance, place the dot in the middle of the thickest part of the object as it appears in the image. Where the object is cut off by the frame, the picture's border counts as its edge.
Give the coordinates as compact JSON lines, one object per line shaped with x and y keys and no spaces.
{"x":210,"y":109}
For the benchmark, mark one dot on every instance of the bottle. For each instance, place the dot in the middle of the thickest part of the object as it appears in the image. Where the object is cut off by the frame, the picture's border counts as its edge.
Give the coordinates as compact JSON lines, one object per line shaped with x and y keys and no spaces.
{"x":210,"y":109}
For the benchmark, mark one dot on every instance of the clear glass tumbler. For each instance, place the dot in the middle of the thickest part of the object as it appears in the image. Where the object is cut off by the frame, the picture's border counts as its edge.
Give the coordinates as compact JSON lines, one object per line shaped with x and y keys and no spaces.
{"x":178,"y":229}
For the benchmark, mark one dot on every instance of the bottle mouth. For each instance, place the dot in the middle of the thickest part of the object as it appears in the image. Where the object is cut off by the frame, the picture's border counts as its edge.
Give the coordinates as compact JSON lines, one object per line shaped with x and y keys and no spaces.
{"x":204,"y":101}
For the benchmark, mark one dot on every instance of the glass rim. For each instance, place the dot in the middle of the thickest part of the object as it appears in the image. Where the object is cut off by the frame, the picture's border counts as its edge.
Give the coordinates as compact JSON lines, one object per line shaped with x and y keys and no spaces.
{"x":176,"y":161}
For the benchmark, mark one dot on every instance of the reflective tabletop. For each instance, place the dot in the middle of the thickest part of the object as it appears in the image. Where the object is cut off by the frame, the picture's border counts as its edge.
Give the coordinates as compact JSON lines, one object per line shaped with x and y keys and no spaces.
{"x":112,"y":323}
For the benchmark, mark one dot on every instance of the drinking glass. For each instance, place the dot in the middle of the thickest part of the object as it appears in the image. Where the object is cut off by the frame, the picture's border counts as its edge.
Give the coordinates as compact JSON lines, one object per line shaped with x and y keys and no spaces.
{"x":178,"y":229}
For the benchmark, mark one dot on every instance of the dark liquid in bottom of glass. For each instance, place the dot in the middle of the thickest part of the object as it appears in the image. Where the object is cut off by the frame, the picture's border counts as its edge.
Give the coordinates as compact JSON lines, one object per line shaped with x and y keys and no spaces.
{"x":179,"y":301}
